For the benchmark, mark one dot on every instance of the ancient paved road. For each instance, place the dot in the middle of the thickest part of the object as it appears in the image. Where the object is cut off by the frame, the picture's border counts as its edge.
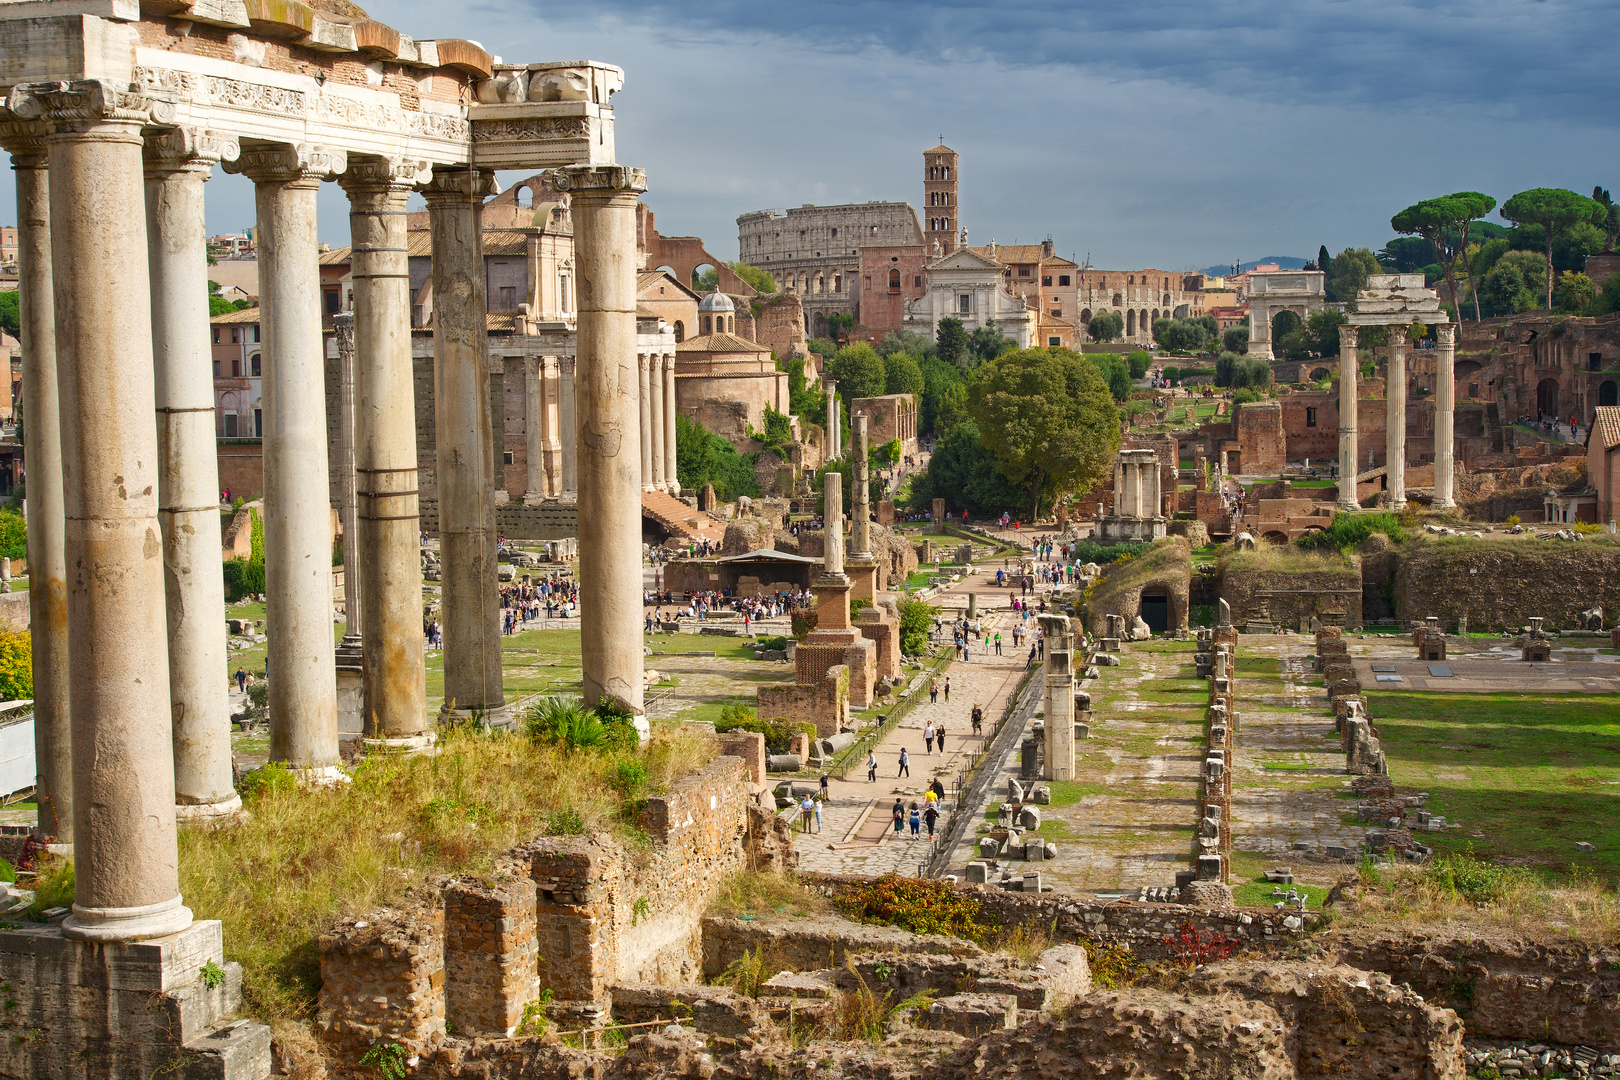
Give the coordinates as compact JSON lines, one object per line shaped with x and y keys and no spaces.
{"x":856,"y":835}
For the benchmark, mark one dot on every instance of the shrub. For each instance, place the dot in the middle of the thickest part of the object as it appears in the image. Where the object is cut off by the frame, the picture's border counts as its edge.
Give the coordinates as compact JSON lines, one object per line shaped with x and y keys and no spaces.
{"x":16,"y":666}
{"x":1090,"y":551}
{"x":1349,"y":530}
{"x":915,"y":617}
{"x":921,"y":905}
{"x":778,"y":732}
{"x":13,"y":535}
{"x":567,"y":722}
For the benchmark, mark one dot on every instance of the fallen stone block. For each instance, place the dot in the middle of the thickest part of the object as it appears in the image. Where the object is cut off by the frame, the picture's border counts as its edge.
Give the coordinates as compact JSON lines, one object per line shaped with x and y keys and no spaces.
{"x":971,"y":1014}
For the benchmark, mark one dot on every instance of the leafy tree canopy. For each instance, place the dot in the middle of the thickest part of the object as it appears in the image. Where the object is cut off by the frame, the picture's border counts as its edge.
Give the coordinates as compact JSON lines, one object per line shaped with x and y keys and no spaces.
{"x":10,"y":315}
{"x":1048,"y":417}
{"x":914,"y":342}
{"x":1555,"y":210}
{"x":952,"y":343}
{"x":963,"y":472}
{"x":1235,"y":339}
{"x":822,"y":346}
{"x":938,"y":411}
{"x":1106,"y":326}
{"x":1574,"y":293}
{"x":987,"y":343}
{"x":1351,"y":269}
{"x":859,"y":372}
{"x":903,"y":374}
{"x":1513,"y":283}
{"x":702,"y":457}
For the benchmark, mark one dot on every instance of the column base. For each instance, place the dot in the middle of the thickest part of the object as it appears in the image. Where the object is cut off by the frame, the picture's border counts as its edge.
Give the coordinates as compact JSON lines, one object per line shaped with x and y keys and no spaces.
{"x":208,"y":813}
{"x":498,"y":717}
{"x":401,"y":744}
{"x":321,"y":776}
{"x":126,"y":924}
{"x":674,"y":488}
{"x":1449,"y":504}
{"x":536,"y":498}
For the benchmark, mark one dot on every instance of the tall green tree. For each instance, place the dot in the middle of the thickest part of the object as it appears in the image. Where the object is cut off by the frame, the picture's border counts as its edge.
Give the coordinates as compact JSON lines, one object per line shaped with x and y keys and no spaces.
{"x":953,"y":343}
{"x":1106,"y":325}
{"x":963,"y":472}
{"x":10,"y":315}
{"x":859,"y":372}
{"x":987,"y":343}
{"x":1351,"y":269}
{"x":1555,"y":210}
{"x":1513,"y":283}
{"x":939,"y":377}
{"x":903,"y":374}
{"x":702,"y":457}
{"x":1444,"y":222}
{"x":1324,"y":261}
{"x":1235,"y":339}
{"x":1049,"y":418}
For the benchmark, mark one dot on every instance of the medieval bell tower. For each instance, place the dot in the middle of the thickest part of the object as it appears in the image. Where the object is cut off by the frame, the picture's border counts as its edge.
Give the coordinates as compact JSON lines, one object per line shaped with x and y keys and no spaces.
{"x":940,"y":218}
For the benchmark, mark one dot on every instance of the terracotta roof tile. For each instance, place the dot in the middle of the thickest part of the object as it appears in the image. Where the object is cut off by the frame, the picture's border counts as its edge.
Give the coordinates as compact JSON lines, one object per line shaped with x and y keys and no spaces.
{"x":720,"y":343}
{"x":1606,"y":426}
{"x":246,"y":315}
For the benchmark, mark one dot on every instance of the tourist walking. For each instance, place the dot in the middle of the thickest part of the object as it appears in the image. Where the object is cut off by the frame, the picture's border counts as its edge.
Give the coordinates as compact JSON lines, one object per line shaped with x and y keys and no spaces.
{"x":899,"y":815}
{"x":933,"y":691}
{"x":939,"y":737}
{"x":241,"y":681}
{"x":948,"y":683}
{"x":871,"y":767}
{"x":928,"y":736}
{"x":916,"y":822}
{"x":819,"y":803}
{"x":905,"y":764}
{"x":824,"y":785}
{"x":978,"y":720}
{"x":931,"y":815}
{"x":807,"y":812}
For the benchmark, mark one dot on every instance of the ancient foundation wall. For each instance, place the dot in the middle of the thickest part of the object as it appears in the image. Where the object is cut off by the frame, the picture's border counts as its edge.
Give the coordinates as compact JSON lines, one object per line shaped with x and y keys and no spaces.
{"x":567,"y":914}
{"x":1293,"y":597}
{"x":1500,"y":584}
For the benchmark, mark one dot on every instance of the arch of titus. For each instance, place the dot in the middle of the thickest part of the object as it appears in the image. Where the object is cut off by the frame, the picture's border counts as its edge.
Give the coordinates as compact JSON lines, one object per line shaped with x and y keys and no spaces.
{"x":114,"y":114}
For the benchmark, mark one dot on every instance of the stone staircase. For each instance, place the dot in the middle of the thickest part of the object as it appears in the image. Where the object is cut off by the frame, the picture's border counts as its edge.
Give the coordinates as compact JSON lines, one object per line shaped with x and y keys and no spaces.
{"x":679,"y":519}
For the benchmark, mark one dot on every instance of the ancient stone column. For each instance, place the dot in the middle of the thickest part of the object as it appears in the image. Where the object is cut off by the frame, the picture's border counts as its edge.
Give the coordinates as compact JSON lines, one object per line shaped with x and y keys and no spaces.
{"x":862,"y":564}
{"x":673,"y":481}
{"x":126,"y":854}
{"x":551,"y":417}
{"x":834,"y":443}
{"x":608,"y":425}
{"x":1445,"y":382}
{"x":464,"y":439}
{"x":42,"y":443}
{"x":644,"y":415}
{"x":348,"y":508}
{"x":655,"y":405}
{"x":385,"y":452}
{"x":178,"y":161}
{"x":1395,"y":417}
{"x":569,"y":431}
{"x":1348,"y":371}
{"x":832,"y":513}
{"x":297,"y":510}
{"x":534,"y":433}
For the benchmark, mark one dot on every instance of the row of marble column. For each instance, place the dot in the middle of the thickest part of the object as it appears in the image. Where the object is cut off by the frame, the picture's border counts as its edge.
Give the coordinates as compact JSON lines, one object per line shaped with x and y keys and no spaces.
{"x":1395,"y":416}
{"x":549,"y":436}
{"x":132,"y":717}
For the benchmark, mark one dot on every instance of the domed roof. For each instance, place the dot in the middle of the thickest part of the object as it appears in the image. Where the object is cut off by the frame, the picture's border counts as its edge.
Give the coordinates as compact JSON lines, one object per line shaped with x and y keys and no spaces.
{"x":717,"y":301}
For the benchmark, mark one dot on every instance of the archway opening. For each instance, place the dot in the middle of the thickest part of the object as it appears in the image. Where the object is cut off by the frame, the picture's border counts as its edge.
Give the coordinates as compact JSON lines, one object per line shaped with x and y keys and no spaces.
{"x":1284,"y":323}
{"x":1156,"y":611}
{"x":1609,"y":393}
{"x":1319,"y":374}
{"x":1547,"y":397}
{"x":1275,"y":537}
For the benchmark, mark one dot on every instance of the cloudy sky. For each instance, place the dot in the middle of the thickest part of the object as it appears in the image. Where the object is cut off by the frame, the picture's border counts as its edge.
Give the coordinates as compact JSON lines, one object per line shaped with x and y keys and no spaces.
{"x":1150,"y":133}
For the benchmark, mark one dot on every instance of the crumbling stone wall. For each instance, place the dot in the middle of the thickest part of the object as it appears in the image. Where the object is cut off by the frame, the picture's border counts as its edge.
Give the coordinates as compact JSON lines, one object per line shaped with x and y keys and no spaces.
{"x":490,"y":951}
{"x":1498,"y":584}
{"x":816,"y":943}
{"x":824,"y":702}
{"x":1323,"y":589}
{"x":1260,"y":437}
{"x":382,"y":976}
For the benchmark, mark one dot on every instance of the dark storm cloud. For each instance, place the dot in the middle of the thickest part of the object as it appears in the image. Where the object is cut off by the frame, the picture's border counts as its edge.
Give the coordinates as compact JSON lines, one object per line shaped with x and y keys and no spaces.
{"x":1511,"y":58}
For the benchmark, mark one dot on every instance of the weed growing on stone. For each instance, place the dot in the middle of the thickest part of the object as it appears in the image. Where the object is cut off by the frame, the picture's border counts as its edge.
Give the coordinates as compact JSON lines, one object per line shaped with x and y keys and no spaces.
{"x":749,"y":972}
{"x":387,"y":1059}
{"x":1112,"y":966}
{"x":753,"y":894}
{"x":921,"y":905}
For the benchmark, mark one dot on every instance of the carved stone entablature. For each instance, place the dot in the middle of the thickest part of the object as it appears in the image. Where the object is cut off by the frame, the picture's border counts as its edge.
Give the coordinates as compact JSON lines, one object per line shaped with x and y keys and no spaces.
{"x":541,"y":134}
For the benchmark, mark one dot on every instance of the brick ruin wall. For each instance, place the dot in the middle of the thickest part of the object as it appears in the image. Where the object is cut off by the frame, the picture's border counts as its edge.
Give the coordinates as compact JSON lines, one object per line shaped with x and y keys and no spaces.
{"x":1292,"y":597}
{"x":567,"y":914}
{"x":1502,"y":584}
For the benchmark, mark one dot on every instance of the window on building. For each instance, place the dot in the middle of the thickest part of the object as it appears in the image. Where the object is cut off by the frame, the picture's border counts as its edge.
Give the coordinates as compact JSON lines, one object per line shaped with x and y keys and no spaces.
{"x":1046,"y":281}
{"x":1057,"y":313}
{"x":1310,"y":417}
{"x":916,"y":281}
{"x":334,"y":300}
{"x":508,"y":297}
{"x":867,"y":285}
{"x":945,"y":173}
{"x":258,"y":423}
{"x":838,"y":283}
{"x":230,"y":425}
{"x":680,"y":331}
{"x":1023,"y":271}
{"x":1594,"y":361}
{"x":254,"y":330}
{"x":236,"y":367}
{"x":1054,"y":342}
{"x":216,"y":335}
{"x":236,"y":335}
{"x":964,"y":303}
{"x":506,"y":458}
{"x":1063,"y":279}
{"x":565,"y":289}
{"x":835,"y":232}
{"x":1118,"y":300}
{"x":894,"y":281}
{"x":253,"y":365}
{"x":216,"y":369}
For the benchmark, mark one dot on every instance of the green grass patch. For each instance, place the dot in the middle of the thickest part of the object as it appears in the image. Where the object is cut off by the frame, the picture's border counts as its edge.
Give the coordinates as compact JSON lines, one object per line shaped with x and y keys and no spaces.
{"x":1261,"y":894}
{"x":1069,"y":792}
{"x":1526,"y":776}
{"x":1290,"y":766}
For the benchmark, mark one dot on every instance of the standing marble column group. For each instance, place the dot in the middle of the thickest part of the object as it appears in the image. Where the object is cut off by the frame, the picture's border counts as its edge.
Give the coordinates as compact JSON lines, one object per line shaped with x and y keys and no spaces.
{"x":658,"y":423}
{"x":1445,"y":386}
{"x":1349,"y":365}
{"x":1395,"y":418}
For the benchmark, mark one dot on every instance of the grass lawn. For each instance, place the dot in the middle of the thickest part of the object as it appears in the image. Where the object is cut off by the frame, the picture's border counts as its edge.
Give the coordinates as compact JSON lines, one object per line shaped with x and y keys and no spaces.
{"x":1526,"y":776}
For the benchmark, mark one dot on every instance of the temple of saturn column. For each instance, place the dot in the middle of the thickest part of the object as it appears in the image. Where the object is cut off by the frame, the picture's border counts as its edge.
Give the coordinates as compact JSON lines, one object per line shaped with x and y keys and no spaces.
{"x":114,"y":116}
{"x":1397,"y":301}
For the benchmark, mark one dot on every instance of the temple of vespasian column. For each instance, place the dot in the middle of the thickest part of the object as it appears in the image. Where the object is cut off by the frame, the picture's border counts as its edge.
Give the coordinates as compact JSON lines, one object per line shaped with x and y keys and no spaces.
{"x":114,"y":112}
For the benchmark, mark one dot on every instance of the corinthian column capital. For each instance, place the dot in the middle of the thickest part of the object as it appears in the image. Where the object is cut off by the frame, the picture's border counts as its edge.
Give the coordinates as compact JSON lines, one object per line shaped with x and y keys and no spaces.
{"x":1397,"y":336}
{"x":382,"y":175}
{"x":85,"y":104}
{"x":188,"y":149}
{"x":460,"y":185}
{"x":25,"y":141}
{"x":1445,"y":335}
{"x":600,"y":181}
{"x":1347,"y":336}
{"x":288,"y":164}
